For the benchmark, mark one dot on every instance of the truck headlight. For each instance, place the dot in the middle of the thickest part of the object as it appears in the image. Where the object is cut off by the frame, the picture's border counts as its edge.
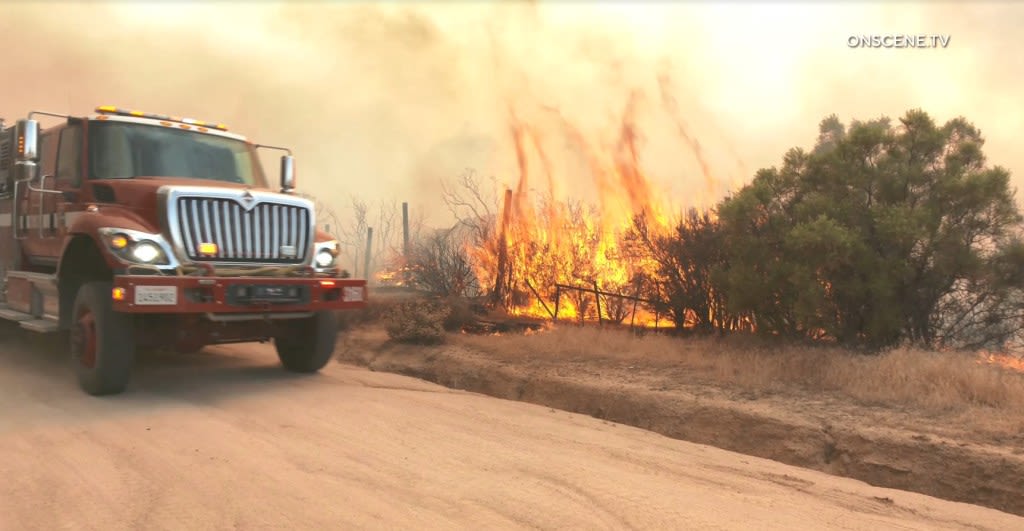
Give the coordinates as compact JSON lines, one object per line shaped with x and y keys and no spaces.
{"x":324,"y":259}
{"x":146,"y":252}
{"x":135,"y":247}
{"x":325,"y":254}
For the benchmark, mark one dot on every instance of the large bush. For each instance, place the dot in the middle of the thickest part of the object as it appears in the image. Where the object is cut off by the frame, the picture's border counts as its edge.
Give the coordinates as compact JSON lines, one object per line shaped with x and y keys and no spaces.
{"x":881,"y":233}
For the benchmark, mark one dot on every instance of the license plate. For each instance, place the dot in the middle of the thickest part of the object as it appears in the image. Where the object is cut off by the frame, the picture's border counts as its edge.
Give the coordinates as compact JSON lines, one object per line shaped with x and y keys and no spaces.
{"x":156,"y":295}
{"x":274,"y":293}
{"x":353,"y":294}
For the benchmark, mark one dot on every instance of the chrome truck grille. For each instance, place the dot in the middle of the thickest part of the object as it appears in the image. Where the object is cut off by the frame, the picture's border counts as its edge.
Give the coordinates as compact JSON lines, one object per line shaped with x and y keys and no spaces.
{"x":246,"y":227}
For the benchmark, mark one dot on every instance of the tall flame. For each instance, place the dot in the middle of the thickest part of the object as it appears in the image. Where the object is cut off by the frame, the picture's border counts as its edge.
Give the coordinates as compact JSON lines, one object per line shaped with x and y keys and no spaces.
{"x":543,"y":244}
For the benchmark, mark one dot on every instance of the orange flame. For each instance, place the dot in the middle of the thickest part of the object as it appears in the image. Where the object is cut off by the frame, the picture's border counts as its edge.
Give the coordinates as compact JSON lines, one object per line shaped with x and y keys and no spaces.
{"x":1005,"y":361}
{"x":543,"y":243}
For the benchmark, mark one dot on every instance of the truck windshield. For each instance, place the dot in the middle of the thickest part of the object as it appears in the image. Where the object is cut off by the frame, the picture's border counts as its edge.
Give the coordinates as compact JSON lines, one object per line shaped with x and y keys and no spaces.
{"x":120,"y":150}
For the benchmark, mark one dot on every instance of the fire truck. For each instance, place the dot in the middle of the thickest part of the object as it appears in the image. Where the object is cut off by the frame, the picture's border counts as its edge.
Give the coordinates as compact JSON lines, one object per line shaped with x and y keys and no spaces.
{"x":126,"y":230}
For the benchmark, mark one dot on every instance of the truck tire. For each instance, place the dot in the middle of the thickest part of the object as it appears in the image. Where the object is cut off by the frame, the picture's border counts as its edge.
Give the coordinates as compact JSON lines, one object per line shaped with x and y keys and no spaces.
{"x":102,"y":341}
{"x":308,"y":344}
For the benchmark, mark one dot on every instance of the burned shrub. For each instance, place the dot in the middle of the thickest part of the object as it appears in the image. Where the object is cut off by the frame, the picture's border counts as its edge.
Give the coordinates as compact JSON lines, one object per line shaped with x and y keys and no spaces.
{"x":420,"y":321}
{"x":377,"y":309}
{"x":460,"y":314}
{"x":439,"y":264}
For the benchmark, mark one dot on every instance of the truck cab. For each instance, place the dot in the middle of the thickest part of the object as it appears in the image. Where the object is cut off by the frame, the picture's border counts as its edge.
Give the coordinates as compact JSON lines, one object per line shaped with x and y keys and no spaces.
{"x":130,"y":230}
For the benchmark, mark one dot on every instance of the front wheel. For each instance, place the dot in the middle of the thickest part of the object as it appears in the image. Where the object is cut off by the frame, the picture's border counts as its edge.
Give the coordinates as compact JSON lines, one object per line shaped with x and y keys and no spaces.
{"x":307,"y":345}
{"x":102,"y":341}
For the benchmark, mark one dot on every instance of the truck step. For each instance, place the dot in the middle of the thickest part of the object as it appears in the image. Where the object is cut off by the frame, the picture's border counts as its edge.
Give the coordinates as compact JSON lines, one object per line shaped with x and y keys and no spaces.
{"x":13,"y":315}
{"x":35,"y":278}
{"x":44,"y":326}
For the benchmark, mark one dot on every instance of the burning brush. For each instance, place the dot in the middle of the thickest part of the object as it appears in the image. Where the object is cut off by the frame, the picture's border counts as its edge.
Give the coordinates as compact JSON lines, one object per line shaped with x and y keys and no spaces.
{"x":545,"y":258}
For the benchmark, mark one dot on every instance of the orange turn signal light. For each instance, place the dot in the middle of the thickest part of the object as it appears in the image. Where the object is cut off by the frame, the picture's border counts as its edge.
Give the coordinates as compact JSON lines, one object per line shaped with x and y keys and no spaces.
{"x":208,"y":249}
{"x":117,"y":294}
{"x":326,"y":283}
{"x":119,"y":242}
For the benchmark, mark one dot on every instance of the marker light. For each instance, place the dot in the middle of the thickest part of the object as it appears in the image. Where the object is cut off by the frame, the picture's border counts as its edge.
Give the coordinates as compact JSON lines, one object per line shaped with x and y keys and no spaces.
{"x":117,"y":294}
{"x":326,"y":283}
{"x":208,"y":249}
{"x":111,"y":109}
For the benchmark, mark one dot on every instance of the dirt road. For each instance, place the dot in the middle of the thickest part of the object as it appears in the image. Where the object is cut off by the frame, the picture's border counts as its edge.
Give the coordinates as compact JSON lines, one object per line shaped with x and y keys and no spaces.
{"x":225,"y":439}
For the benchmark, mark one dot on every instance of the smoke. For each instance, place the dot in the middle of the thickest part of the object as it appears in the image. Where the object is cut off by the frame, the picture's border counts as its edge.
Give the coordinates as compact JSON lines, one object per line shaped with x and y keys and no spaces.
{"x":383,"y":101}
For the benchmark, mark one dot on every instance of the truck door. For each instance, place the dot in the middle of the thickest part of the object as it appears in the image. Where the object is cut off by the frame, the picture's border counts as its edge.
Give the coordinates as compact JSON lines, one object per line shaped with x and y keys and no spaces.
{"x":36,"y":200}
{"x":69,"y":177}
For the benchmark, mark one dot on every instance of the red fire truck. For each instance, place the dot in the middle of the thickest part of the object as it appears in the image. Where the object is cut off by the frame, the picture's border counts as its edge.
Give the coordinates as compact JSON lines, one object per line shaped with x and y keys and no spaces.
{"x":131,"y":230}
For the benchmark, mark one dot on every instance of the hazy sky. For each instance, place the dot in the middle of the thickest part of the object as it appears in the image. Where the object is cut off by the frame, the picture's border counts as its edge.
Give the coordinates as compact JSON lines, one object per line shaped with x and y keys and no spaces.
{"x":383,"y":102}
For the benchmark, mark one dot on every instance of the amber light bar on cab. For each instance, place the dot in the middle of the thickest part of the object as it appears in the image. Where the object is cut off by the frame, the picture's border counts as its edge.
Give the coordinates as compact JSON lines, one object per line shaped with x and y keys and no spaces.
{"x":110,"y":109}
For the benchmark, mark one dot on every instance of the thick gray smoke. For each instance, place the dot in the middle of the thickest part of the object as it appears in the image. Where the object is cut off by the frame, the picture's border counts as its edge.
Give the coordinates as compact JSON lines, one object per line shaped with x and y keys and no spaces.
{"x":383,"y":102}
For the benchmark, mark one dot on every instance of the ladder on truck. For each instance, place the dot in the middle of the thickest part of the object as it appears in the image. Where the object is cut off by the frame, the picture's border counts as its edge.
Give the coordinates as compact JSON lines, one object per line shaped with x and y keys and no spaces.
{"x":30,"y":299}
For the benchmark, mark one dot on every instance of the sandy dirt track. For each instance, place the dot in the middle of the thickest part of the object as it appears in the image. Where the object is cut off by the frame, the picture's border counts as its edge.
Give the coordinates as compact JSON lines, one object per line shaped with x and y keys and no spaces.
{"x":225,"y":439}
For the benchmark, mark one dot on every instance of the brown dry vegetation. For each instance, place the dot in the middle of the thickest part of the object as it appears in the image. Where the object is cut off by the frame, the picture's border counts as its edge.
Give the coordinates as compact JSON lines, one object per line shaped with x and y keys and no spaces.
{"x":934,"y":383}
{"x":931,"y":381}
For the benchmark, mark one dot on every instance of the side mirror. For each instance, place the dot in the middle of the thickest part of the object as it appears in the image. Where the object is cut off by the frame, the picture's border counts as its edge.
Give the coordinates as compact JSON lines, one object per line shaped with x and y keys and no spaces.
{"x":27,"y":134}
{"x":287,"y":174}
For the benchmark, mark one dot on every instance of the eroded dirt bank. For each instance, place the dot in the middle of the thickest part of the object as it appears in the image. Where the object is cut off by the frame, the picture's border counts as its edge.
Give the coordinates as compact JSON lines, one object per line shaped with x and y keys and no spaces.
{"x":889,"y":449}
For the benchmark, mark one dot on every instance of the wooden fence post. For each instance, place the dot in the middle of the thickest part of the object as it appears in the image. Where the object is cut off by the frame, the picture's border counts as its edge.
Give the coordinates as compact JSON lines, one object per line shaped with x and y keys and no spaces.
{"x":366,"y":259}
{"x":636,"y":301}
{"x":405,"y":231}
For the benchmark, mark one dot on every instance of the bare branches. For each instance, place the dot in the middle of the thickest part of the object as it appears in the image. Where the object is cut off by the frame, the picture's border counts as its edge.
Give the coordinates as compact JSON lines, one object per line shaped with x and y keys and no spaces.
{"x":471,"y":205}
{"x":351,"y":233}
{"x":326,"y":218}
{"x":439,"y":264}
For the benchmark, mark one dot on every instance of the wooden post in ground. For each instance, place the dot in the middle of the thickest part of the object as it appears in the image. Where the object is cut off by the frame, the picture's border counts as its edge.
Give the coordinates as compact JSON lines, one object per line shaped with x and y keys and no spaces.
{"x":366,"y":259}
{"x":405,"y":231}
{"x":597,"y":297}
{"x":636,"y":301}
{"x":558,"y":299}
{"x":500,"y":279}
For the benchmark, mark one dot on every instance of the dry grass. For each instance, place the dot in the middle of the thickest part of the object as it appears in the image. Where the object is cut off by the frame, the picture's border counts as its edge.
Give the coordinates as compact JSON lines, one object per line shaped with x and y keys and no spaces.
{"x":936,"y":382}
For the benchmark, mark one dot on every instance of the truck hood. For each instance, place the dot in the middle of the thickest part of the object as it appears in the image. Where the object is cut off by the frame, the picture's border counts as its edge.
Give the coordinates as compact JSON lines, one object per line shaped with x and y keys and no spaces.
{"x":139,"y":196}
{"x":140,"y":192}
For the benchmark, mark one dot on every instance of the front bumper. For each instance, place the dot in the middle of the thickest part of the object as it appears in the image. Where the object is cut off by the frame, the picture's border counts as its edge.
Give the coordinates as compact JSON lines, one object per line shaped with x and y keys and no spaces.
{"x":235,"y":295}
